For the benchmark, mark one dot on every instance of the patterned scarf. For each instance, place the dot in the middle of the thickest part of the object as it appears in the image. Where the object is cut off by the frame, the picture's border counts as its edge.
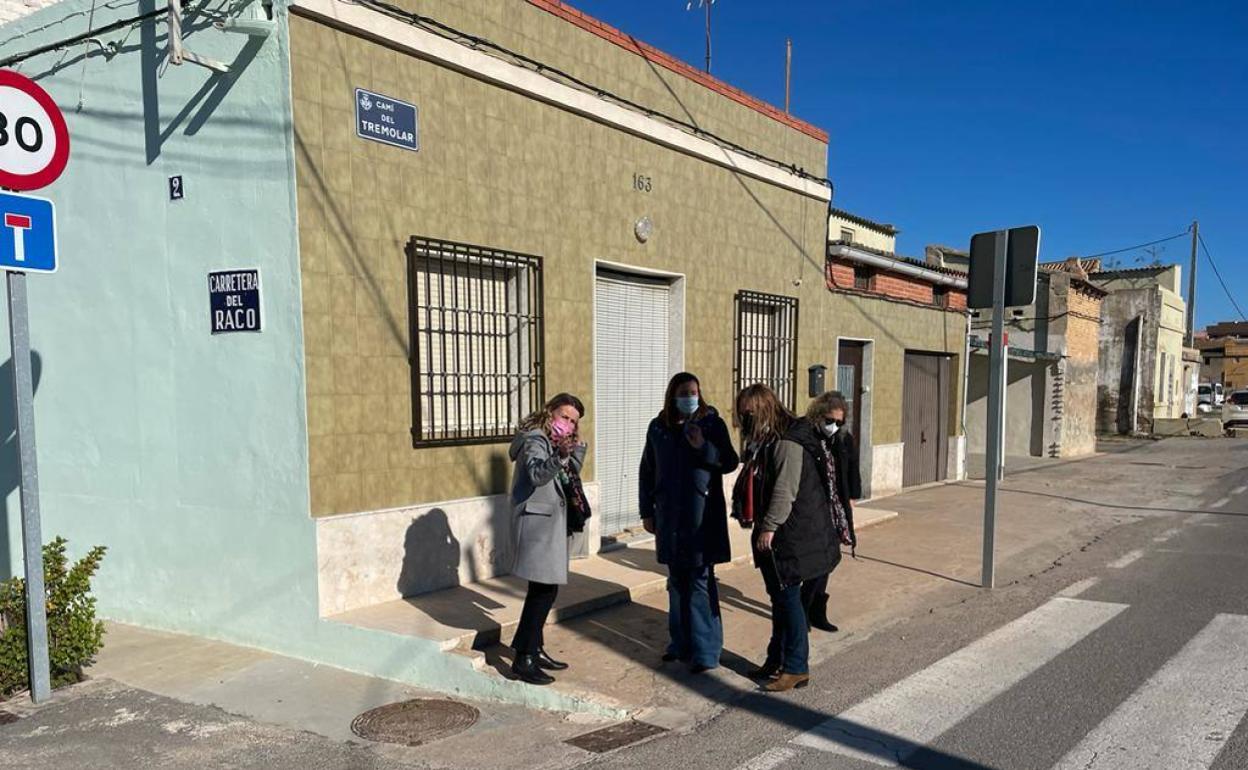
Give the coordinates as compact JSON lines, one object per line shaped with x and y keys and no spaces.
{"x":840,"y":520}
{"x":574,"y":493}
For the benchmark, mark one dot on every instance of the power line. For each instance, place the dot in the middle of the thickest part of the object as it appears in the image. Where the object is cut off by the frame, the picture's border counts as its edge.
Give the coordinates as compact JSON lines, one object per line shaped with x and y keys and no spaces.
{"x":1214,"y":265}
{"x":1139,"y":246}
{"x":69,"y":41}
{"x":477,"y":42}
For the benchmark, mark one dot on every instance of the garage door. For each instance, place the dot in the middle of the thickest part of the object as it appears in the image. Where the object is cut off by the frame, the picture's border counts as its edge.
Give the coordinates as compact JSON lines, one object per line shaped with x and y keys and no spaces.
{"x":631,"y":370}
{"x":925,"y":418}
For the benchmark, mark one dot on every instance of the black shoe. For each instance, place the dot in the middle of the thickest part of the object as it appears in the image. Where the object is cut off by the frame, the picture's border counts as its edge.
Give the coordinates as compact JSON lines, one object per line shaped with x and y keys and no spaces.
{"x":818,"y":616}
{"x":698,"y":668}
{"x":526,"y":669}
{"x":768,"y":670}
{"x":668,"y":657}
{"x":550,"y":664}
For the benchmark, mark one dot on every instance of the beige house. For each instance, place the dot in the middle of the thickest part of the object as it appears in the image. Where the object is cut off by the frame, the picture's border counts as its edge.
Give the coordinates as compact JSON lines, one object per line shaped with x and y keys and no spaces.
{"x":1141,"y":357}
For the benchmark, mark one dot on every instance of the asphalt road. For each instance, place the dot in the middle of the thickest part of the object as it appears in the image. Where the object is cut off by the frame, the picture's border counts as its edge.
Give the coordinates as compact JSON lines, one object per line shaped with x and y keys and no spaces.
{"x":1133,"y":655}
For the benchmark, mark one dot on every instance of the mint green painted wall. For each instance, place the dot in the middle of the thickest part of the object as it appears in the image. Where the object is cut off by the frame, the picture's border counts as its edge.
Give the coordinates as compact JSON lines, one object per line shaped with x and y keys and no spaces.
{"x":184,"y":453}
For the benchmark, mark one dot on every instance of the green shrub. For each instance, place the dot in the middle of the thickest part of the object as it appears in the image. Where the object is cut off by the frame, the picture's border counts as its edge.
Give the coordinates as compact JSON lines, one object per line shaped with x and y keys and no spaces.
{"x":74,"y":635}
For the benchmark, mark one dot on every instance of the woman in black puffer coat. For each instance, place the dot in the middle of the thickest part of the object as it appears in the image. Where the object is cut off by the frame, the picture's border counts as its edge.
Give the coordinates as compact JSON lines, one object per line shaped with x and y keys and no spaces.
{"x":797,"y":541}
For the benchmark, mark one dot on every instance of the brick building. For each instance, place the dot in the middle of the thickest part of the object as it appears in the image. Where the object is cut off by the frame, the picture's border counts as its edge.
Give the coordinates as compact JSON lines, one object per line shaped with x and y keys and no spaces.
{"x":1052,"y":375}
{"x":1224,"y":354}
{"x":901,"y":337}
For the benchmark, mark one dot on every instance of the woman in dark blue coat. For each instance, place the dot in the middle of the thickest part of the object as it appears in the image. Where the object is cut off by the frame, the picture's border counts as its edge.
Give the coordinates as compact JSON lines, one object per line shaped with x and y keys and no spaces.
{"x":688,"y":451}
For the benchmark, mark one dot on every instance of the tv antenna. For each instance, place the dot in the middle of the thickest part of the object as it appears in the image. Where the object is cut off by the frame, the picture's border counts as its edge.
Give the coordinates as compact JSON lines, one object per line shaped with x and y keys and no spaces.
{"x":705,"y":4}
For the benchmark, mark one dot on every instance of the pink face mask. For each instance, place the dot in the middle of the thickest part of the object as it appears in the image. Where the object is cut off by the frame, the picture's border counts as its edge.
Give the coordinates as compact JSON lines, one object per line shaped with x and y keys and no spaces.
{"x":561,"y":428}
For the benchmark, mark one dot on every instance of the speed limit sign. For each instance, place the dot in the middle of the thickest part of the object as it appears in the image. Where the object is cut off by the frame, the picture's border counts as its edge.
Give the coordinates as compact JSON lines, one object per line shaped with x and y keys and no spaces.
{"x":34,"y":142}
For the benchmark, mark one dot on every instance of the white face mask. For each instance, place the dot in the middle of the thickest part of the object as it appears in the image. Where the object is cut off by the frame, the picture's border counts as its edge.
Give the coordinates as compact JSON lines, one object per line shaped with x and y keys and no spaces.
{"x":830,"y":429}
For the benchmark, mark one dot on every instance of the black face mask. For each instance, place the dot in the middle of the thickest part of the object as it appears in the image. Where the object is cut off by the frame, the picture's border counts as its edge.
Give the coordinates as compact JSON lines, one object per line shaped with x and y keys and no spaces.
{"x":747,"y":424}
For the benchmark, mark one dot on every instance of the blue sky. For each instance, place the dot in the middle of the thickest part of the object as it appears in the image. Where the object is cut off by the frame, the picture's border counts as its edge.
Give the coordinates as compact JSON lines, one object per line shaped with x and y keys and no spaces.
{"x":1106,"y":122}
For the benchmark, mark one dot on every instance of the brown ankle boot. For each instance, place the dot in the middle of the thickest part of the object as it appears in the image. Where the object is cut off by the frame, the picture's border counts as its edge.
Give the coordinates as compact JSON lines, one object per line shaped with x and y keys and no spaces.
{"x":787,"y":682}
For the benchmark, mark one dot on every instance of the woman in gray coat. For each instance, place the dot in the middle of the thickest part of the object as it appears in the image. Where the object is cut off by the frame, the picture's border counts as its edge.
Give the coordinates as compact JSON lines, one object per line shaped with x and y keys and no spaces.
{"x":549,"y":506}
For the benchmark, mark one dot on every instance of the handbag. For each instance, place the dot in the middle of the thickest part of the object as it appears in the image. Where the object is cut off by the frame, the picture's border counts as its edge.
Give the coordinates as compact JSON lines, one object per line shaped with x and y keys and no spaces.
{"x":578,"y":504}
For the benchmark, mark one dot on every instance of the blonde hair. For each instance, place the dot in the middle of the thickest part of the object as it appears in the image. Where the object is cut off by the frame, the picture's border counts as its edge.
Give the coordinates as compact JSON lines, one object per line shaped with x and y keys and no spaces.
{"x":822,"y":404}
{"x":541,"y":419}
{"x":771,"y":418}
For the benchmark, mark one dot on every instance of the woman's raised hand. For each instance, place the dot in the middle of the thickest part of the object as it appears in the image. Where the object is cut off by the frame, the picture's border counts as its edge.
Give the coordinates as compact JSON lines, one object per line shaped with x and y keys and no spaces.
{"x":694,"y":435}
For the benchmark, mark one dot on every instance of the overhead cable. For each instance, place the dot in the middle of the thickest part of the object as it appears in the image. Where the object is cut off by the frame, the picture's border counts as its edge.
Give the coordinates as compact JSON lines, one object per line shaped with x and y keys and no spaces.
{"x":1214,"y":265}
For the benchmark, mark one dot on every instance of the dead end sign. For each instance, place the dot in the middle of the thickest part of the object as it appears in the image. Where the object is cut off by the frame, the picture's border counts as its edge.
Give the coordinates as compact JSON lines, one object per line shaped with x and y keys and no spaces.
{"x":234,"y":301}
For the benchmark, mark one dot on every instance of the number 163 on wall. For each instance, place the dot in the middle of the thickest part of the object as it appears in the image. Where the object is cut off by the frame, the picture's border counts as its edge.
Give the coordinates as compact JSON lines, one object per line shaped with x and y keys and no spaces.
{"x":27,"y":234}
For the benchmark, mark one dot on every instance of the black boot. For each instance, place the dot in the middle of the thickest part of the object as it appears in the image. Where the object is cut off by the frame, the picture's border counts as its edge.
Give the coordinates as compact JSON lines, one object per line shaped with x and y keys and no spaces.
{"x":818,"y":615}
{"x":526,"y":669}
{"x":550,"y":664}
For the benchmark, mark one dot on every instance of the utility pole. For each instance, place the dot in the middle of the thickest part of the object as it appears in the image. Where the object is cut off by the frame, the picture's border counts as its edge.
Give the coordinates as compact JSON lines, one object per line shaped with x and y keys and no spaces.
{"x":1191,"y":288}
{"x":788,"y":71}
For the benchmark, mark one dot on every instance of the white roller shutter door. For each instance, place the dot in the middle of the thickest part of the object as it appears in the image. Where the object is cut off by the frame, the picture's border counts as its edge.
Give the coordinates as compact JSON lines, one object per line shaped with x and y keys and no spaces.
{"x":631,"y":370}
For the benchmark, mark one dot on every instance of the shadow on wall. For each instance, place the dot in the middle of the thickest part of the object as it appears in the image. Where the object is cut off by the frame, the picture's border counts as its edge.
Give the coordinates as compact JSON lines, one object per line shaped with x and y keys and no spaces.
{"x":431,"y":555}
{"x":10,"y":459}
{"x":434,"y":558}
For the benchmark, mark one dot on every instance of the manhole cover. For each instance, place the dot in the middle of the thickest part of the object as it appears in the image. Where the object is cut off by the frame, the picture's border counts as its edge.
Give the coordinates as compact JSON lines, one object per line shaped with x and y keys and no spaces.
{"x":615,"y":736}
{"x":414,"y":722}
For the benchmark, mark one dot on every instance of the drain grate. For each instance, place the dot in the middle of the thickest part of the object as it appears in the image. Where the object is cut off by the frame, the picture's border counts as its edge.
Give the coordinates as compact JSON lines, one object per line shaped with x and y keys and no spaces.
{"x":414,"y":722}
{"x":615,"y":736}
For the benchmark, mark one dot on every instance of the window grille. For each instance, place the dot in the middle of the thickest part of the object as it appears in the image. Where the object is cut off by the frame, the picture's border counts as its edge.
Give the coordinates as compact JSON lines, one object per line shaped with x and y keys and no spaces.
{"x":477,"y":346}
{"x":766,"y":344}
{"x":862,"y":277}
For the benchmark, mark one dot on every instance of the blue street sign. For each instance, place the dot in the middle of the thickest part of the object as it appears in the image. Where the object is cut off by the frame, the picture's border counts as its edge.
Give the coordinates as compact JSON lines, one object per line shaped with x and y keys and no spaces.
{"x":385,"y":120}
{"x":27,"y":234}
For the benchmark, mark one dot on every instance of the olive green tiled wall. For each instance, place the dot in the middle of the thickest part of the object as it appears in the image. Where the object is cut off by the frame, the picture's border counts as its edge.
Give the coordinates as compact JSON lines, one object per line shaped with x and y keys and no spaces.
{"x":498,"y":169}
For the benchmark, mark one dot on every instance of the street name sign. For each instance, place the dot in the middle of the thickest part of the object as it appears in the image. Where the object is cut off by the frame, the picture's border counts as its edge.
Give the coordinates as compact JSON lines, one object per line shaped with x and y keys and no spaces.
{"x":234,"y":301}
{"x":385,"y":120}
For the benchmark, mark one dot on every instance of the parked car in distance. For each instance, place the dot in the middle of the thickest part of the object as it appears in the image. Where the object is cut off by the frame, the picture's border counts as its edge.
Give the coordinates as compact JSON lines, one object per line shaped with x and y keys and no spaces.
{"x":1235,"y":410}
{"x":1204,"y":398}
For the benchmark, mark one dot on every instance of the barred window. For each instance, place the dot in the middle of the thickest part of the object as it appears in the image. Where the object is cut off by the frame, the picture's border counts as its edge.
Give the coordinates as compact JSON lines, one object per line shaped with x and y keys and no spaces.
{"x":863,"y":276}
{"x":766,"y":344}
{"x":475,"y":320}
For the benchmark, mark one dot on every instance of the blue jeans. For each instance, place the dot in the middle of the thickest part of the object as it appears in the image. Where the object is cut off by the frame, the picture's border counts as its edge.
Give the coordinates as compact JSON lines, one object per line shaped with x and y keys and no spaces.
{"x":790,"y":636}
{"x":693,"y":619}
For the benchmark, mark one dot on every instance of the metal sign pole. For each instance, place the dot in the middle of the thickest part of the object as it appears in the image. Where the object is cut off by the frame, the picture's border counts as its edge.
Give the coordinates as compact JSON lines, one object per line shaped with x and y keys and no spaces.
{"x":32,"y":537}
{"x":1005,"y":399}
{"x":996,"y":400}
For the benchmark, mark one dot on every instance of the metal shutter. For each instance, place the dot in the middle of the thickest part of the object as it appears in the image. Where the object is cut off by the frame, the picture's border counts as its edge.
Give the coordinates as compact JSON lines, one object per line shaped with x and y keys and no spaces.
{"x":631,"y":370}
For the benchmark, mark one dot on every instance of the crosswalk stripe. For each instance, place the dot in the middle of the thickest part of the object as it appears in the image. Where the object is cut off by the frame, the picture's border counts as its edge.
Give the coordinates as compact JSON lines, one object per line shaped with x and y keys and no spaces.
{"x":1125,"y":559}
{"x":896,"y":722}
{"x":1183,"y":715}
{"x":769,"y":759}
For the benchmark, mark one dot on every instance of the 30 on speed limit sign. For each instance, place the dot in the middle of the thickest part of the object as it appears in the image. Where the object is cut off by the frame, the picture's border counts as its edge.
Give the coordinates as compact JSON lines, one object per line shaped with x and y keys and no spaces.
{"x":34,"y":141}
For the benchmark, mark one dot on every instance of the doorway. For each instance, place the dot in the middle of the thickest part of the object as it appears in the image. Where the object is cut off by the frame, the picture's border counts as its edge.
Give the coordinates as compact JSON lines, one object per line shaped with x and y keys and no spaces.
{"x":926,"y":389}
